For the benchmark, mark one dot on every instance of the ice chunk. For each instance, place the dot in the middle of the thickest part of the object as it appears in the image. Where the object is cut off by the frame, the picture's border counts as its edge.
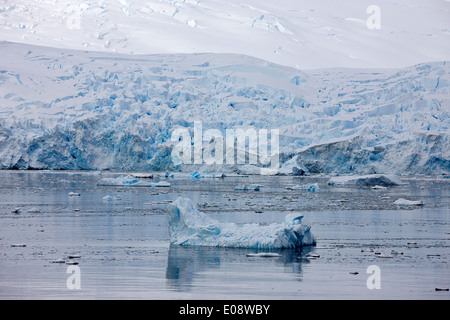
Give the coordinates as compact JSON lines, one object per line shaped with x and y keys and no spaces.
{"x":109,"y":198}
{"x":254,"y":187}
{"x":378,"y":187}
{"x":130,"y":181}
{"x":34,"y":210}
{"x":58,"y":261}
{"x":241,"y":187}
{"x":367,"y":180}
{"x":163,"y":184}
{"x":198,"y":175}
{"x":312,"y":187}
{"x":406,"y":202}
{"x":188,"y":226}
{"x":264,"y":255}
{"x":119,"y":181}
{"x":73,"y":194}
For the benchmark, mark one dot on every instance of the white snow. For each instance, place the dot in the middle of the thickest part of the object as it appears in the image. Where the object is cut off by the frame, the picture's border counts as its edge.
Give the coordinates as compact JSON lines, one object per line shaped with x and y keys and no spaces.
{"x":189,"y":227}
{"x":102,"y":85}
{"x":315,"y":34}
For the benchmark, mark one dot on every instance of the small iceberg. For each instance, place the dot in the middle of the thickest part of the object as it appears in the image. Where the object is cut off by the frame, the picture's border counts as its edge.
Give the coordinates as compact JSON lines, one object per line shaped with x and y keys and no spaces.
{"x":109,"y":198}
{"x":312,"y":187}
{"x":130,"y":181}
{"x":198,"y":175}
{"x":406,"y":202}
{"x":254,"y":187}
{"x":367,"y":180}
{"x":190,"y":227}
{"x":377,"y":187}
{"x":264,"y":255}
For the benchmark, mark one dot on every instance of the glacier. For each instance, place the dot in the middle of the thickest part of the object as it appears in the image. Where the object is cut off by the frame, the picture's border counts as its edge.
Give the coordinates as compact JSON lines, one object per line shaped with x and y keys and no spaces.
{"x":83,"y":110}
{"x":190,"y":227}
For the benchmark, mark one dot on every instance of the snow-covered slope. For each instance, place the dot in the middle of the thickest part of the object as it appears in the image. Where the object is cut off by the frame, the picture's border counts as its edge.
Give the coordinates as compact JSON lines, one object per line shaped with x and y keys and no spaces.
{"x":70,"y":109}
{"x":297,"y":33}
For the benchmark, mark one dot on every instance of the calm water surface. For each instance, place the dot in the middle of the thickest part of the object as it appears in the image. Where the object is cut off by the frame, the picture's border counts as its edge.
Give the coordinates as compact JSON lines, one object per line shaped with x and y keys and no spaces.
{"x":123,"y":252}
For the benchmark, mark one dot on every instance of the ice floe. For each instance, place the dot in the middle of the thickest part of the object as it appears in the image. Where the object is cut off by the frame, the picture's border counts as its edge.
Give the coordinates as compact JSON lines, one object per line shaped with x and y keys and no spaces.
{"x":188,"y":226}
{"x":406,"y":202}
{"x":312,"y":187}
{"x":367,"y":180}
{"x":130,"y":181}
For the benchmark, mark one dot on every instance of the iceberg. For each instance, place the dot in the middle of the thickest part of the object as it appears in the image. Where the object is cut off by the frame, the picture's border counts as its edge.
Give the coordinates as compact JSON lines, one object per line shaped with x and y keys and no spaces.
{"x":130,"y":181}
{"x":406,"y":202}
{"x":190,"y":227}
{"x":367,"y":180}
{"x":312,"y":187}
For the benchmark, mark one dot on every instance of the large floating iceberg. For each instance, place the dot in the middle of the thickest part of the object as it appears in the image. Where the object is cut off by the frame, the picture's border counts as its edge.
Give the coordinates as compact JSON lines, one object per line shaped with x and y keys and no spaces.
{"x":190,"y":227}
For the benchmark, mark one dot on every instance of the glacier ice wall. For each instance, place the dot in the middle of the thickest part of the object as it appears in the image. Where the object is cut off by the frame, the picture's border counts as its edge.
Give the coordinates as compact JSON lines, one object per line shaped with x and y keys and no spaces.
{"x":190,"y":227}
{"x":67,"y":109}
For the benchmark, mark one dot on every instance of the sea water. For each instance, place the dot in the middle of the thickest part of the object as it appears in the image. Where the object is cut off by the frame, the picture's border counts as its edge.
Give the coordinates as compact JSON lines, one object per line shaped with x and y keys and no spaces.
{"x":64,"y":237}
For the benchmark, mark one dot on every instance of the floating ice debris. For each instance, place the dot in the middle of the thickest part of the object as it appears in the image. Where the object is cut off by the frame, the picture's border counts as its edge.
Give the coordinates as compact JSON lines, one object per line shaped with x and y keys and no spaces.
{"x":406,"y":202}
{"x":384,"y":255}
{"x":312,"y":187}
{"x":18,"y":245}
{"x":163,"y":184}
{"x":119,"y":181}
{"x":188,"y":226}
{"x":264,"y":255}
{"x":255,"y":187}
{"x":17,"y":210}
{"x":109,"y":198}
{"x":377,"y":187}
{"x":206,"y":175}
{"x":367,"y":180}
{"x":73,"y":194}
{"x":34,"y":210}
{"x":142,"y":175}
{"x":58,"y":261}
{"x":130,"y":181}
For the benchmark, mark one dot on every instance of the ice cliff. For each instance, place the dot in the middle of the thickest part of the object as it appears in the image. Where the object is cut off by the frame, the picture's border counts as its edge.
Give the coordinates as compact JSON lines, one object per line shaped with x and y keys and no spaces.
{"x":68,"y":109}
{"x":190,"y":227}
